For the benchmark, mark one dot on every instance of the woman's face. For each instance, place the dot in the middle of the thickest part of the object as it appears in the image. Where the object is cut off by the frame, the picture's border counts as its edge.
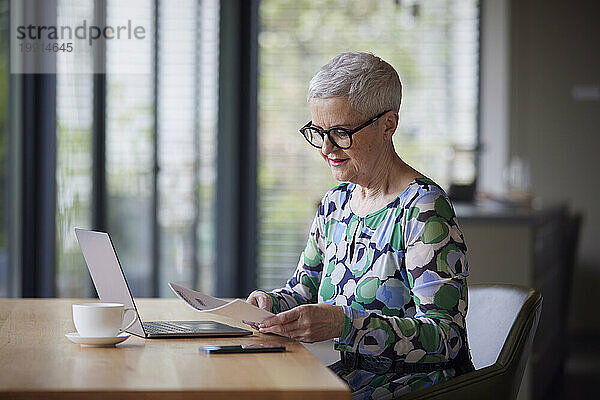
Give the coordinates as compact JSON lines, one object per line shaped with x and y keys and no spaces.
{"x":358,"y":164}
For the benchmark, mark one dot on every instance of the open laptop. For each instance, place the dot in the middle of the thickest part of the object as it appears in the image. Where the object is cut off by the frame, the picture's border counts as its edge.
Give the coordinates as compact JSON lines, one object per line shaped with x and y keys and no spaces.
{"x":111,"y":285}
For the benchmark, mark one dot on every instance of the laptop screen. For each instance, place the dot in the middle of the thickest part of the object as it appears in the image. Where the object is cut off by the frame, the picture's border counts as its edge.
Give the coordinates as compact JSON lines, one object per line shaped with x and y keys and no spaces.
{"x":107,"y":274}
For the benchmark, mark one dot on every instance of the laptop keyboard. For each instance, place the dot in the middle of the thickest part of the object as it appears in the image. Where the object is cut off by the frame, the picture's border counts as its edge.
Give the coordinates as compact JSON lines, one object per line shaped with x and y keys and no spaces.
{"x":164,"y":327}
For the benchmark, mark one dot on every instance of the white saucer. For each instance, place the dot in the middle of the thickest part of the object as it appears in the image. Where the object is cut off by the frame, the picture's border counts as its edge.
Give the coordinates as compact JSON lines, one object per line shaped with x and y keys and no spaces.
{"x":97,"y":341}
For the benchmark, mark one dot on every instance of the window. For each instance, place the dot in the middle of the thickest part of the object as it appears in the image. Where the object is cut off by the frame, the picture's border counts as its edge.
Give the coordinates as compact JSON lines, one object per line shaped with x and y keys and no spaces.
{"x":130,"y":144}
{"x":160,"y":144}
{"x":434,"y":47}
{"x":74,"y":119}
{"x":187,"y":121}
{"x":4,"y":85}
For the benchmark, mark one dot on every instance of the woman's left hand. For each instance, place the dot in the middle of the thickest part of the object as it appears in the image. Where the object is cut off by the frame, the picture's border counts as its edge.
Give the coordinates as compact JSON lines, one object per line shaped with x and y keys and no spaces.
{"x":307,"y":323}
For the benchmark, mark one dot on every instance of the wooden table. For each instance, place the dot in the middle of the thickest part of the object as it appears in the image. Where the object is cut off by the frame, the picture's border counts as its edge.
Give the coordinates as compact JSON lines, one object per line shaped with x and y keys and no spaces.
{"x":38,"y":361}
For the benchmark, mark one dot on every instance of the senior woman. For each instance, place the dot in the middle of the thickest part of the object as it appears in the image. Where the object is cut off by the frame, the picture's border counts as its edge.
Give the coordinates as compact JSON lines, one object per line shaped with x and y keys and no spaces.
{"x":384,"y":269}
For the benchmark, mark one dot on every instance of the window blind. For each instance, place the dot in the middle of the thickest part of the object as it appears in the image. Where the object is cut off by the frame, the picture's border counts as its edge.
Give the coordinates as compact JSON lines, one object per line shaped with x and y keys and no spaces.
{"x":74,"y":118}
{"x":172,"y":107}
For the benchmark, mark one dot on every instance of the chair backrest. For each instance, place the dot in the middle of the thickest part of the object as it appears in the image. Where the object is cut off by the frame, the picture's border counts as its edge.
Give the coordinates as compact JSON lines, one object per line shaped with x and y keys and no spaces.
{"x":492,"y":313}
{"x":501,"y":324}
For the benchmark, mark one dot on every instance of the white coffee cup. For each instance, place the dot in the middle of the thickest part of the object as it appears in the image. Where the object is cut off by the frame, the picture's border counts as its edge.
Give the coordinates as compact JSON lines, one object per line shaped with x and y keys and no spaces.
{"x":101,"y":319}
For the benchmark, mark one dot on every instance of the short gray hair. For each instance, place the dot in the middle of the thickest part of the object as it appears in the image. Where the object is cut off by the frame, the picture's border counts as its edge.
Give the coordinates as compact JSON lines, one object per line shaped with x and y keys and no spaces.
{"x":370,"y":84}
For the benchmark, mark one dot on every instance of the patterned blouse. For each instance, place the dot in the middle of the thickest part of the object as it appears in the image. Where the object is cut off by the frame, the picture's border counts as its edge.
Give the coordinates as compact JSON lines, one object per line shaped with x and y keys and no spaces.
{"x":399,"y":274}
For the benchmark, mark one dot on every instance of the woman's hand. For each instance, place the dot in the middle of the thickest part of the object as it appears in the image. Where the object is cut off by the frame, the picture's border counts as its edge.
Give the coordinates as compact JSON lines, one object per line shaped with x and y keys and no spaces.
{"x":260,"y":300}
{"x":307,"y":323}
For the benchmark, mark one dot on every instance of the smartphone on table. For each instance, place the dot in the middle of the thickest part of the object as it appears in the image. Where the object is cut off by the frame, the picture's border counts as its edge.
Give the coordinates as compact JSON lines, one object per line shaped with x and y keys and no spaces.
{"x":244,"y":348}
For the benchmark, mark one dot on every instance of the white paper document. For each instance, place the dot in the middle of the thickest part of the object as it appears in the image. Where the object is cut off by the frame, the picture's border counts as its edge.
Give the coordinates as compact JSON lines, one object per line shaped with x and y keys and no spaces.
{"x":236,"y":309}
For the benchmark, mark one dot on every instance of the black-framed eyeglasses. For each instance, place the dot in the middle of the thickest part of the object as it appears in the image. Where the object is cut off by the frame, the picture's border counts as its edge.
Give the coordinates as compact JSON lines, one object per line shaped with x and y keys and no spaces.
{"x":340,"y":137}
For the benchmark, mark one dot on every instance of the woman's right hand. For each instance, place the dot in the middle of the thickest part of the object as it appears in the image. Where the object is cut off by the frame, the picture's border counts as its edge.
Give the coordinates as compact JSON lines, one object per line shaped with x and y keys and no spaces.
{"x":261,"y":300}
